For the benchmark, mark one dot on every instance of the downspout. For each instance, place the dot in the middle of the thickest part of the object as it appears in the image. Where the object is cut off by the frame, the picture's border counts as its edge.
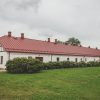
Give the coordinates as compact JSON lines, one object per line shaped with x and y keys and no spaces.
{"x":99,"y":59}
{"x":51,"y":57}
{"x":8,"y":55}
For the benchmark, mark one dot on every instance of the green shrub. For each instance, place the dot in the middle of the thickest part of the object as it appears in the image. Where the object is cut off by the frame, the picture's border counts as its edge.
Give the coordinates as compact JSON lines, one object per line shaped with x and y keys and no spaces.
{"x":69,"y":64}
{"x":93,"y":63}
{"x":24,"y":65}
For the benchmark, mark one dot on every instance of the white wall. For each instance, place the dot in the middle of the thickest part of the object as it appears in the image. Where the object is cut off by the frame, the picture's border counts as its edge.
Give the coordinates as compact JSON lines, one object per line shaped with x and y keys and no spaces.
{"x":5,"y":59}
{"x":92,"y":59}
{"x":46,"y":57}
{"x":72,"y":58}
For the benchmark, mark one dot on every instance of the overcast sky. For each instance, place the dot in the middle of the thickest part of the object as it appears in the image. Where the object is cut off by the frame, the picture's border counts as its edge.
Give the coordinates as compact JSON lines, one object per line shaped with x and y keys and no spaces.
{"x":61,"y":19}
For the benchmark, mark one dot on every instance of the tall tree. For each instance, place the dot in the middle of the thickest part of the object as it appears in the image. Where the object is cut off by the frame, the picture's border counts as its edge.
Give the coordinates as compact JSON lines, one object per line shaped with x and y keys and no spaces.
{"x":73,"y":41}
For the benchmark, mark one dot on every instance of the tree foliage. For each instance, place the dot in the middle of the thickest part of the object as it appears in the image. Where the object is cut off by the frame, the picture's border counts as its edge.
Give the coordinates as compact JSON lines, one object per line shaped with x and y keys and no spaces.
{"x":73,"y":41}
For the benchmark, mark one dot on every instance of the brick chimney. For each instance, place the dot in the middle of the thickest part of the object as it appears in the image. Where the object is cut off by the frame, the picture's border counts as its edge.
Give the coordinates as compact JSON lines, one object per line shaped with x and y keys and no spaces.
{"x":9,"y":34}
{"x":96,"y":48}
{"x":48,"y":39}
{"x":56,"y":41}
{"x":22,"y":35}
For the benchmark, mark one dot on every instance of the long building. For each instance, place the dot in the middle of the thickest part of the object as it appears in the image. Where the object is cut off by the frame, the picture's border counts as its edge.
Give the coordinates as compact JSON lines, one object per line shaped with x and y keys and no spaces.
{"x":12,"y":47}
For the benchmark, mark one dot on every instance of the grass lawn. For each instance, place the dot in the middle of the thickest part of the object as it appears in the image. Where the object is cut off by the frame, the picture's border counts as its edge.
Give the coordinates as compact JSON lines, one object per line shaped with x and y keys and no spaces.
{"x":60,"y":84}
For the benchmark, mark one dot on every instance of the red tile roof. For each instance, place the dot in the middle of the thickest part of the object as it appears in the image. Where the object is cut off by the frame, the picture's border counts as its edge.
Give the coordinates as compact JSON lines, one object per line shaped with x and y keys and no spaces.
{"x":16,"y":44}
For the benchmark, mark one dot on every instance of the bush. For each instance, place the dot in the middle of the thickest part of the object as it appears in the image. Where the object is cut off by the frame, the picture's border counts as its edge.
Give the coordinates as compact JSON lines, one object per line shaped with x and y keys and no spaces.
{"x":69,"y":64}
{"x":24,"y":65}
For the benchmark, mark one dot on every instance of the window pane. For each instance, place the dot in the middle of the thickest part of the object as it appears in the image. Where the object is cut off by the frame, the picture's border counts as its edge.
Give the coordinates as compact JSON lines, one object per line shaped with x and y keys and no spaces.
{"x":1,"y":60}
{"x":40,"y":58}
{"x":81,"y":59}
{"x":67,"y":59}
{"x":57,"y":59}
{"x":75,"y":59}
{"x":29,"y":57}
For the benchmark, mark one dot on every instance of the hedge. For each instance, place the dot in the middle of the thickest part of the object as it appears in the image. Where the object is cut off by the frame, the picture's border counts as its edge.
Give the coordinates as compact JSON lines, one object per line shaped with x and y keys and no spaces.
{"x":24,"y":65}
{"x":69,"y":64}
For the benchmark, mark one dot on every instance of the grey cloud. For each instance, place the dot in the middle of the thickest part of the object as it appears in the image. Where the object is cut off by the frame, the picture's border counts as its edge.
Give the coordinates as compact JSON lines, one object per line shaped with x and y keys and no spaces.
{"x":18,"y":10}
{"x":20,"y":4}
{"x":53,"y":18}
{"x":24,"y":4}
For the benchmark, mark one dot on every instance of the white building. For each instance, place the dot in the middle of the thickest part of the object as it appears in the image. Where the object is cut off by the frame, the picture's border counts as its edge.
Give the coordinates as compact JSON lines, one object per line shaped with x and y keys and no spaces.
{"x":12,"y":47}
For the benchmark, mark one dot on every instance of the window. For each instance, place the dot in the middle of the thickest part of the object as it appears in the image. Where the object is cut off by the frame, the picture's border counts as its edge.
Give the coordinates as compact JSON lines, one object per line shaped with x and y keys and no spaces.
{"x":85,"y":59}
{"x":1,"y":60}
{"x":76,"y":59}
{"x":57,"y":59}
{"x":29,"y":57}
{"x":67,"y":59}
{"x":81,"y":59}
{"x":40,"y":58}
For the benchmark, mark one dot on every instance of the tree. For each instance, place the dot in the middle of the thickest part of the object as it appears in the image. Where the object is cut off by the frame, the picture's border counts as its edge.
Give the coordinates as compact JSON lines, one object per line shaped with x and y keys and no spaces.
{"x":73,"y":41}
{"x":60,"y":42}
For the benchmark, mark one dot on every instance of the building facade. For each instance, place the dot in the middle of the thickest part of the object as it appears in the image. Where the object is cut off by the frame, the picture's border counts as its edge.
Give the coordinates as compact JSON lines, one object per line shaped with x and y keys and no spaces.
{"x":12,"y":47}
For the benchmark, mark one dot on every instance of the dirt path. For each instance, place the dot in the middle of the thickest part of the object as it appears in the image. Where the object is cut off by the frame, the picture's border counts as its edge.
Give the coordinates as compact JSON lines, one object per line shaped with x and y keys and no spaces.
{"x":2,"y":70}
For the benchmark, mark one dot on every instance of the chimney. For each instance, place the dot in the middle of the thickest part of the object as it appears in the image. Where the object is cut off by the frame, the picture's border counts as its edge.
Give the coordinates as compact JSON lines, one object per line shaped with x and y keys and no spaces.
{"x":66,"y":43}
{"x":22,"y":35}
{"x":96,"y":48}
{"x":56,"y":41}
{"x":48,"y":39}
{"x":9,"y":34}
{"x":80,"y":45}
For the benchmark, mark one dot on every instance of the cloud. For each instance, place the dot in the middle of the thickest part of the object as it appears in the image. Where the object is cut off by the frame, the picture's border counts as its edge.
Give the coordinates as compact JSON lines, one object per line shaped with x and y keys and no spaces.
{"x":60,"y":19}
{"x":21,"y":4}
{"x":16,"y":9}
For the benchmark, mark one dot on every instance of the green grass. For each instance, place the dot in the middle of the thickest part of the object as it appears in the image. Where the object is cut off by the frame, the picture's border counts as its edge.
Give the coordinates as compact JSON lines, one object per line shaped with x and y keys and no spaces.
{"x":60,"y":84}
